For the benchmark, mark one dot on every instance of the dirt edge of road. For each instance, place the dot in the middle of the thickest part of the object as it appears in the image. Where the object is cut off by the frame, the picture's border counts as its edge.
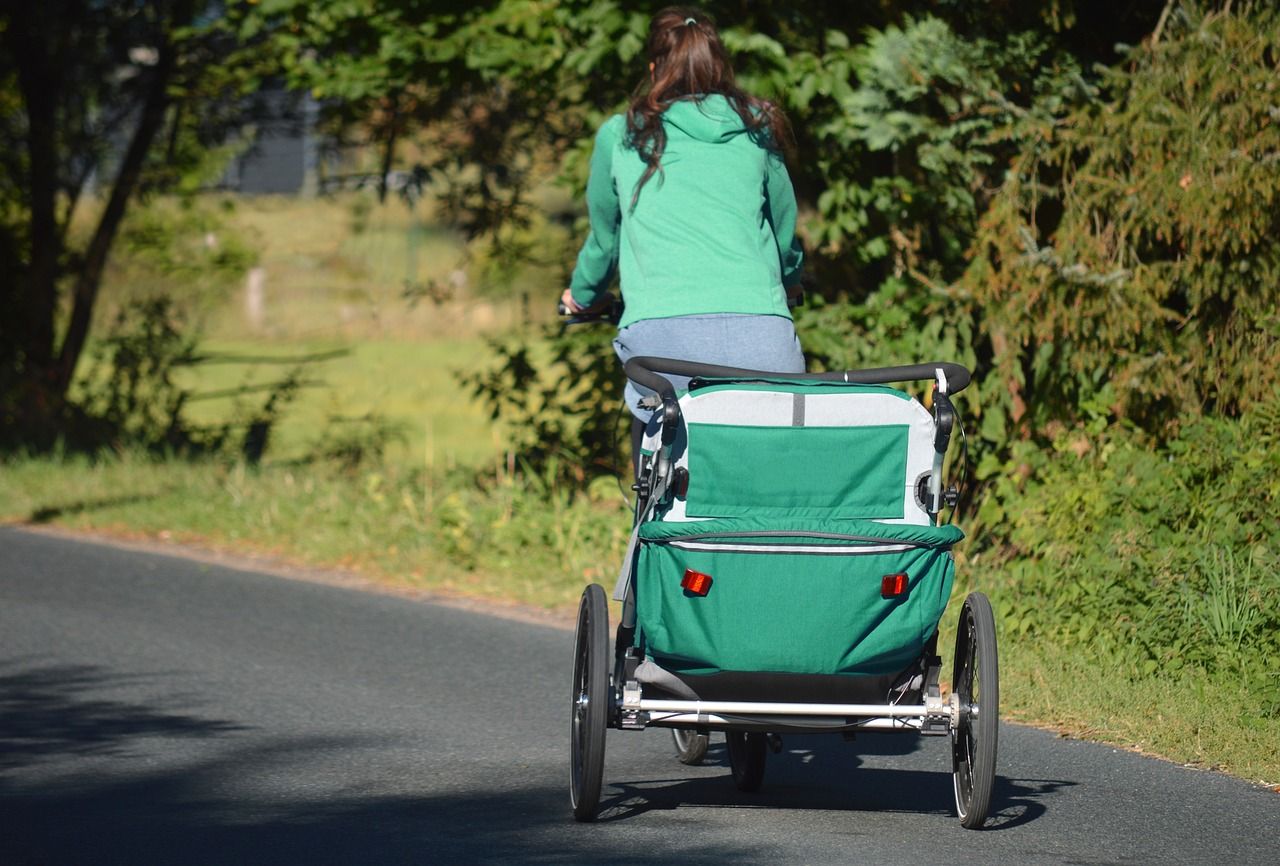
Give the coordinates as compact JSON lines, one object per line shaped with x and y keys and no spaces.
{"x":282,"y":566}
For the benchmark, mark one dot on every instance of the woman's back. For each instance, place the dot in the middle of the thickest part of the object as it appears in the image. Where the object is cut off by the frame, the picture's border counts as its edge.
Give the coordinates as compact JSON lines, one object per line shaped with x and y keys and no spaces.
{"x":692,"y":208}
{"x":701,"y":236}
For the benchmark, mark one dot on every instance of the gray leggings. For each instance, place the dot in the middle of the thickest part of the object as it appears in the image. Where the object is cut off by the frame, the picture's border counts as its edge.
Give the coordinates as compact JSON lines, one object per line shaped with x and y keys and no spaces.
{"x":730,"y":340}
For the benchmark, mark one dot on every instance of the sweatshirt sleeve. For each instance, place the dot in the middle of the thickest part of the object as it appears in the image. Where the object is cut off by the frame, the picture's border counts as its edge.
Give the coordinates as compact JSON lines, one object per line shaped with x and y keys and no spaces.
{"x":599,"y":255}
{"x":780,"y":210}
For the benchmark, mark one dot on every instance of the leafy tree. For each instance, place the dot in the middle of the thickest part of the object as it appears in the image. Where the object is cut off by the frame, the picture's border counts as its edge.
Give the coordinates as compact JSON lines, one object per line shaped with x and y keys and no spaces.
{"x":115,"y":97}
{"x":902,"y":140}
{"x":1130,"y":266}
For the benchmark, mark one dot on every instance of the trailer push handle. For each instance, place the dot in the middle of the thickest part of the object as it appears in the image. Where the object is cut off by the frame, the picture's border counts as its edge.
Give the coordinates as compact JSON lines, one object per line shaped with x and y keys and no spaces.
{"x":949,"y":378}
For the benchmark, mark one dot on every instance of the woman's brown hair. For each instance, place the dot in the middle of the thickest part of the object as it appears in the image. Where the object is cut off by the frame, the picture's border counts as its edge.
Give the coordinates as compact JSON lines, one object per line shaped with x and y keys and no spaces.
{"x":688,"y":61}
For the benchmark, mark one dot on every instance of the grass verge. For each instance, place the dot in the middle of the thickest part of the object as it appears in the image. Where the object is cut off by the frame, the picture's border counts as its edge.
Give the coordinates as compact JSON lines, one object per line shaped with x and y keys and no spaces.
{"x":400,"y":399}
{"x":1189,"y":717}
{"x":507,"y":538}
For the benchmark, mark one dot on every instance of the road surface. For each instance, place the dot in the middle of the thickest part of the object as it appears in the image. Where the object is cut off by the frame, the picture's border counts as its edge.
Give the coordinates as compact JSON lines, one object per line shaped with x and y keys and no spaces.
{"x":161,"y":710}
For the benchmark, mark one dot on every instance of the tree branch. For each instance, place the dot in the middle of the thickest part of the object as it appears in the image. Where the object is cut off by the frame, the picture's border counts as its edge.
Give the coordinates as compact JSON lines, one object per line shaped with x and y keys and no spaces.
{"x":89,"y":280}
{"x":1164,"y":16}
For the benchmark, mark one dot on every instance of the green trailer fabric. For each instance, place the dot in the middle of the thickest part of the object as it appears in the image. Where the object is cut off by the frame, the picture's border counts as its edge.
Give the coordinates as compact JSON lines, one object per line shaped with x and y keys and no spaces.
{"x":737,"y":469}
{"x":800,"y":449}
{"x":795,"y":596}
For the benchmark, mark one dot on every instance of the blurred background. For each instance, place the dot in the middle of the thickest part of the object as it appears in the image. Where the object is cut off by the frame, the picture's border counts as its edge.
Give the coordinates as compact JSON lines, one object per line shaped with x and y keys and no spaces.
{"x":278,"y":276}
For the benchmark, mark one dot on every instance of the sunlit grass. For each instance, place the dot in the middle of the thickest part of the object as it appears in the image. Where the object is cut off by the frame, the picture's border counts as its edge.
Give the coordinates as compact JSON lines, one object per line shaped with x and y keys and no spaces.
{"x":1187,"y":717}
{"x":345,"y":266}
{"x":509,"y":539}
{"x":410,"y":389}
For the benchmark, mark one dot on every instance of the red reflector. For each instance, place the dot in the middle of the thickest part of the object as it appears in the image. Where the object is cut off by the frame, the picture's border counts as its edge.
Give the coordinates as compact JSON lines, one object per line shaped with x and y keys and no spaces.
{"x":696,"y":582}
{"x":893,"y":585}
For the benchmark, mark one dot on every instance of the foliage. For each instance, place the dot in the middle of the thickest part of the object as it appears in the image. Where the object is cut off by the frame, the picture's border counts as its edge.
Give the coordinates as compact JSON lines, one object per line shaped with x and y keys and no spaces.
{"x":540,"y":531}
{"x":1099,"y":247}
{"x":494,"y":90}
{"x":109,"y":99}
{"x":908,"y":143}
{"x":131,"y":391}
{"x":563,"y":414}
{"x":1131,"y":260}
{"x":1163,"y":557}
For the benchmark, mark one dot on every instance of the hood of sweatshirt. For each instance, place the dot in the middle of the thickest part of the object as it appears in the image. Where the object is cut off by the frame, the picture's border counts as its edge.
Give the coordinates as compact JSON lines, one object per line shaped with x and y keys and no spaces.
{"x":711,"y":118}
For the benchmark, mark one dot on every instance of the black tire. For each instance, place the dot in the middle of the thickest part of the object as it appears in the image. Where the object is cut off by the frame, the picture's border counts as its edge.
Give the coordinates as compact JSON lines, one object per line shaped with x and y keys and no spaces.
{"x":747,"y":752}
{"x":976,"y":682}
{"x":691,"y":746}
{"x":589,"y":709}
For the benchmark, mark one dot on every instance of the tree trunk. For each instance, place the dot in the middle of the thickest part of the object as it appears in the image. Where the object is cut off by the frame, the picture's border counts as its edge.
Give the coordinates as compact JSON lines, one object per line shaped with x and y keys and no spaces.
{"x":89,"y":280}
{"x":389,"y":152}
{"x":39,"y":51}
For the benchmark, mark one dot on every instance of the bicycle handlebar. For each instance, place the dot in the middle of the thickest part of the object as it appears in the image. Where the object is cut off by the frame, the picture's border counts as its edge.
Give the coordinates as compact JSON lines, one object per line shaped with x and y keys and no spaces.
{"x":605,"y":309}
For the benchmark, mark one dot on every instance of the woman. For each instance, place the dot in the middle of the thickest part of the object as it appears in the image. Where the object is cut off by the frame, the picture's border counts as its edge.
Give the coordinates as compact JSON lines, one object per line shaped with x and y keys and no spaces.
{"x":690,"y":203}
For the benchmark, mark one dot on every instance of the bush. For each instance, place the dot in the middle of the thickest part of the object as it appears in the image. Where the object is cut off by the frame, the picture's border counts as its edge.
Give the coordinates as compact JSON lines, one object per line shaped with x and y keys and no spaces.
{"x":563,"y":409}
{"x":1132,"y":257}
{"x":1161,"y":557}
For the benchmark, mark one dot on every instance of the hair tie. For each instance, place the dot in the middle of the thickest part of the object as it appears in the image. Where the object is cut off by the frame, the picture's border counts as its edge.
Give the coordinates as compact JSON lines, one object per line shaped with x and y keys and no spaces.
{"x":690,"y":21}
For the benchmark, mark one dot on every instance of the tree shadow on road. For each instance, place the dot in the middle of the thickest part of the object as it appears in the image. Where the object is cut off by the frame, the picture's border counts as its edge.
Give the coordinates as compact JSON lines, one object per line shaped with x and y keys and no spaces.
{"x":177,"y":816}
{"x":61,"y":710}
{"x":89,"y":772}
{"x":81,"y":780}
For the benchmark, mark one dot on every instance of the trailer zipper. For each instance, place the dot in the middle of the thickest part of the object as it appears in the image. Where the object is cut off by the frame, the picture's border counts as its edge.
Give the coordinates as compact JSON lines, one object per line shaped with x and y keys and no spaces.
{"x":861,"y":545}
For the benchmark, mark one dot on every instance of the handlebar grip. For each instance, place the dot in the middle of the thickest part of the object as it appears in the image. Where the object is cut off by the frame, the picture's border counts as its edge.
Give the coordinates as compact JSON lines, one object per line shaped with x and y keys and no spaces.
{"x":605,"y":309}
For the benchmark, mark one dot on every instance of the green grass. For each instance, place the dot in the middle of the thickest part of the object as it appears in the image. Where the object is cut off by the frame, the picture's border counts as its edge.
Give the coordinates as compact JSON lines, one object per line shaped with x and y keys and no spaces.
{"x":1189,"y":717}
{"x":409,"y":389}
{"x":509,"y":538}
{"x":339,"y":267}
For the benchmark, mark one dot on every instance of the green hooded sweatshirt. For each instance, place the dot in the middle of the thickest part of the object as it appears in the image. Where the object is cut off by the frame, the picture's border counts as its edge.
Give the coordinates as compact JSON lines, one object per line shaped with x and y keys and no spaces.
{"x":713,"y":230}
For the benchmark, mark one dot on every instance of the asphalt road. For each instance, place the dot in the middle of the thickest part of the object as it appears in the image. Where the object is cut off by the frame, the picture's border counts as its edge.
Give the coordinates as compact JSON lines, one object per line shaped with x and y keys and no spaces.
{"x":160,"y":710}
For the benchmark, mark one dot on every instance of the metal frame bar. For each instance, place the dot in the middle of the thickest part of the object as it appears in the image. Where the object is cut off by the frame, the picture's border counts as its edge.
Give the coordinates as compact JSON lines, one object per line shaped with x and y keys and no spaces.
{"x":759,"y":708}
{"x":811,"y":723}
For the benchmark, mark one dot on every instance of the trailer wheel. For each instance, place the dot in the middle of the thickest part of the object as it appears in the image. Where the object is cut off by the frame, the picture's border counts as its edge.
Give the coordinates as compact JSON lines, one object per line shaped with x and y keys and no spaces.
{"x":691,"y":746}
{"x":590,"y":707}
{"x":975,"y":730}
